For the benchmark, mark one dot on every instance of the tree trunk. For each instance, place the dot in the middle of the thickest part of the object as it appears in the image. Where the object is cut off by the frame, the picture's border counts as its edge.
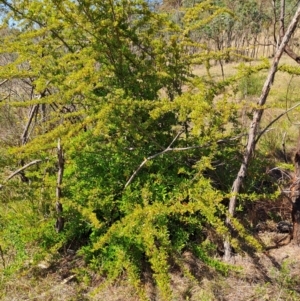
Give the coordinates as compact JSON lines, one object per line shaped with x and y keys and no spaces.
{"x":254,"y":127}
{"x":296,"y":197}
{"x":59,"y":225}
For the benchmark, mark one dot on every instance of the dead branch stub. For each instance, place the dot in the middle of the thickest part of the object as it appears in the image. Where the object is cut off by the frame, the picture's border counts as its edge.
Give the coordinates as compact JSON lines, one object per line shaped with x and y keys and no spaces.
{"x":59,"y":225}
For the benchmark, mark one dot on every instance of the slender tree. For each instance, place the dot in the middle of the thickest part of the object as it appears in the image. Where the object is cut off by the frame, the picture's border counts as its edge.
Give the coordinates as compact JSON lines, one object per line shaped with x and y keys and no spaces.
{"x":254,"y":126}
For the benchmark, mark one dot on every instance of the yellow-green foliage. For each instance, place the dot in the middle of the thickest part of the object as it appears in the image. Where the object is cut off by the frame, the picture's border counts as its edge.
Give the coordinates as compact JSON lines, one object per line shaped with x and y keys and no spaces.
{"x":150,"y":149}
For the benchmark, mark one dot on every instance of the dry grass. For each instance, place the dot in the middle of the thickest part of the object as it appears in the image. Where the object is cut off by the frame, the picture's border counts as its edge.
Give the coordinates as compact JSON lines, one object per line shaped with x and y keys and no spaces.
{"x":272,"y":275}
{"x":283,"y":95}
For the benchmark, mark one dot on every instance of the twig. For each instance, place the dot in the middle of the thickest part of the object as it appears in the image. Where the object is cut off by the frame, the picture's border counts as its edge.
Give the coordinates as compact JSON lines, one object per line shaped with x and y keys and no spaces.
{"x":285,"y":194}
{"x":283,"y":147}
{"x":168,"y":149}
{"x":285,"y":173}
{"x":68,"y":279}
{"x":3,"y":82}
{"x":286,"y":100}
{"x":274,"y":120}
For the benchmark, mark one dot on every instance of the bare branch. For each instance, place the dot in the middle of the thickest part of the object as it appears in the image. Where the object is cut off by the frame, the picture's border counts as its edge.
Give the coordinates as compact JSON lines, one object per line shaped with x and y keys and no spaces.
{"x":168,"y":149}
{"x":176,"y":137}
{"x":207,"y":144}
{"x":59,"y":225}
{"x":6,"y":97}
{"x":33,"y":112}
{"x":288,"y":50}
{"x":61,"y":162}
{"x":21,"y":169}
{"x":176,"y":149}
{"x":274,"y":120}
{"x":3,"y":82}
{"x":135,"y":173}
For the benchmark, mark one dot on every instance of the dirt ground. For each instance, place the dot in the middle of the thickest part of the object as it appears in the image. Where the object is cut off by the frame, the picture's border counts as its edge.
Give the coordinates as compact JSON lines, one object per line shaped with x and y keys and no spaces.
{"x":269,"y":275}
